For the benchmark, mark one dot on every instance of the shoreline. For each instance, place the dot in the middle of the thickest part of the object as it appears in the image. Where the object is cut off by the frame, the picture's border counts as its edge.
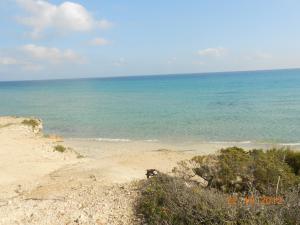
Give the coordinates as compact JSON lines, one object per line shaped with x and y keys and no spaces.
{"x":89,"y":182}
{"x":187,"y":145}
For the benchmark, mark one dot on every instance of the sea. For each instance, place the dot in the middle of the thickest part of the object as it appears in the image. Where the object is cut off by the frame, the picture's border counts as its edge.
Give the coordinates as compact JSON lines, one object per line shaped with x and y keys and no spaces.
{"x":252,"y":106}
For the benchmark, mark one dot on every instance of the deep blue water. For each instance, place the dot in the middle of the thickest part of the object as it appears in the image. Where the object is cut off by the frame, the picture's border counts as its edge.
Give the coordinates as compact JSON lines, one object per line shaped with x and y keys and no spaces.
{"x":262,"y":106}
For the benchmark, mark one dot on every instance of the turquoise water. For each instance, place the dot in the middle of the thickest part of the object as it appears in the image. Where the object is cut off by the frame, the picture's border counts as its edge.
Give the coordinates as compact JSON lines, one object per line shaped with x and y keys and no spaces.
{"x":262,"y":106}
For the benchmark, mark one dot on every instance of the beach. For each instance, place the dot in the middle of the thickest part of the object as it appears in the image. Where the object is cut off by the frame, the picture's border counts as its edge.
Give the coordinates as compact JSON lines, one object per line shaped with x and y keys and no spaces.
{"x":143,"y":113}
{"x":41,"y":186}
{"x":135,"y":113}
{"x":91,"y":182}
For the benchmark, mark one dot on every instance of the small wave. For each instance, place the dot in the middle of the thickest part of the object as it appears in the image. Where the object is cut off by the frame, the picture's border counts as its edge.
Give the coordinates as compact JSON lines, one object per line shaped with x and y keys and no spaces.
{"x":151,"y":140}
{"x":258,"y":143}
{"x":113,"y":139}
{"x":290,"y":144}
{"x":103,"y":139}
{"x":230,"y":142}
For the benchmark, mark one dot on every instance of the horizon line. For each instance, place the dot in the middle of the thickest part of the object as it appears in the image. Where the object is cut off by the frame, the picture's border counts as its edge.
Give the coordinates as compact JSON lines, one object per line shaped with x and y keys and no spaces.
{"x":152,"y":75}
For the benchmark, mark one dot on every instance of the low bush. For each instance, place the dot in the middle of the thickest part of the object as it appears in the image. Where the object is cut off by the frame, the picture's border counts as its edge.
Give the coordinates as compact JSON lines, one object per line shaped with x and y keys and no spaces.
{"x":237,"y":170}
{"x":31,"y":122}
{"x":233,"y":172}
{"x":59,"y":148}
{"x":292,"y":158}
{"x":167,"y":200}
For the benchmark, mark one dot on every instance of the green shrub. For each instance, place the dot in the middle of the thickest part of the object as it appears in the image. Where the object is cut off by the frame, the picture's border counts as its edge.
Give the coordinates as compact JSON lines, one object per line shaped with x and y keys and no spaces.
{"x":167,"y":200}
{"x":59,"y":148}
{"x":267,"y":167}
{"x":177,"y":200}
{"x":293,"y":160}
{"x":237,"y":170}
{"x":31,"y":122}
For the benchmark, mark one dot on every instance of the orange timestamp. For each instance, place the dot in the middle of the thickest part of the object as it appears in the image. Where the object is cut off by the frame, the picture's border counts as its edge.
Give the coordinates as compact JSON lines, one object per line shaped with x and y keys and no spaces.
{"x":251,"y":200}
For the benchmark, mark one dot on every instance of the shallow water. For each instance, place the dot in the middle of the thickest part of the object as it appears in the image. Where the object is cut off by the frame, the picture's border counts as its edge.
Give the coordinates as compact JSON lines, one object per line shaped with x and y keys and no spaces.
{"x":261,"y":106}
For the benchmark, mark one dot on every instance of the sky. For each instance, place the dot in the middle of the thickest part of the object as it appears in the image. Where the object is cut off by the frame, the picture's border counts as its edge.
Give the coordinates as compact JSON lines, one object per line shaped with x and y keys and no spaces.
{"x":53,"y":39}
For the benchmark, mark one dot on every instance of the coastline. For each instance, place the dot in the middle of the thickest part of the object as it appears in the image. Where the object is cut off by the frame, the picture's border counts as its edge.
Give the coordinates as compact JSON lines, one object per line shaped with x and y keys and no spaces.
{"x":91,"y":182}
{"x":200,"y":147}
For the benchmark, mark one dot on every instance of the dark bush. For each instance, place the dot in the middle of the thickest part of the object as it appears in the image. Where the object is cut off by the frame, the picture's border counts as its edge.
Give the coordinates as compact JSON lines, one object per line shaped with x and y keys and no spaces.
{"x":59,"y":148}
{"x":31,"y":122}
{"x":293,"y":160}
{"x":167,"y":200}
{"x":271,"y":174}
{"x":237,"y":170}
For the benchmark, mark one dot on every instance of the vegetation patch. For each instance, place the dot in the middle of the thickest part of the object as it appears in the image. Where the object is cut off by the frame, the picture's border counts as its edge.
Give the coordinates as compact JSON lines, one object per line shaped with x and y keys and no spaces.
{"x":237,"y":170}
{"x":59,"y":148}
{"x":170,"y":201}
{"x":243,"y":187}
{"x":31,"y":122}
{"x":292,"y":158}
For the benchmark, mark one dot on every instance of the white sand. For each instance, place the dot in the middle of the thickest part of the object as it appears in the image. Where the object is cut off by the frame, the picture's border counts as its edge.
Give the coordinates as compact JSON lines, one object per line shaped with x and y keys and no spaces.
{"x":25,"y":155}
{"x":40,"y":186}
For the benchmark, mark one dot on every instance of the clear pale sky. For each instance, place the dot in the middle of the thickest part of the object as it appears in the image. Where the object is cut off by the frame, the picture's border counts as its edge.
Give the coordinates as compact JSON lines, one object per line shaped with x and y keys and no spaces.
{"x":49,"y":39}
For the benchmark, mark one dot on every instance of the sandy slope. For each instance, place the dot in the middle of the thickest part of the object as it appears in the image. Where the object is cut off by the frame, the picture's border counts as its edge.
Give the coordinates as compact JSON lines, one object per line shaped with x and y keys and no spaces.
{"x":26,"y":156}
{"x":40,"y":186}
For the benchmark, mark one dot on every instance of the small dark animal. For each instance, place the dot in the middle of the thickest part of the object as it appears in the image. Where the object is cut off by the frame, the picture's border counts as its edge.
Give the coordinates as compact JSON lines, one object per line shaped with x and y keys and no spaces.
{"x":151,"y":173}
